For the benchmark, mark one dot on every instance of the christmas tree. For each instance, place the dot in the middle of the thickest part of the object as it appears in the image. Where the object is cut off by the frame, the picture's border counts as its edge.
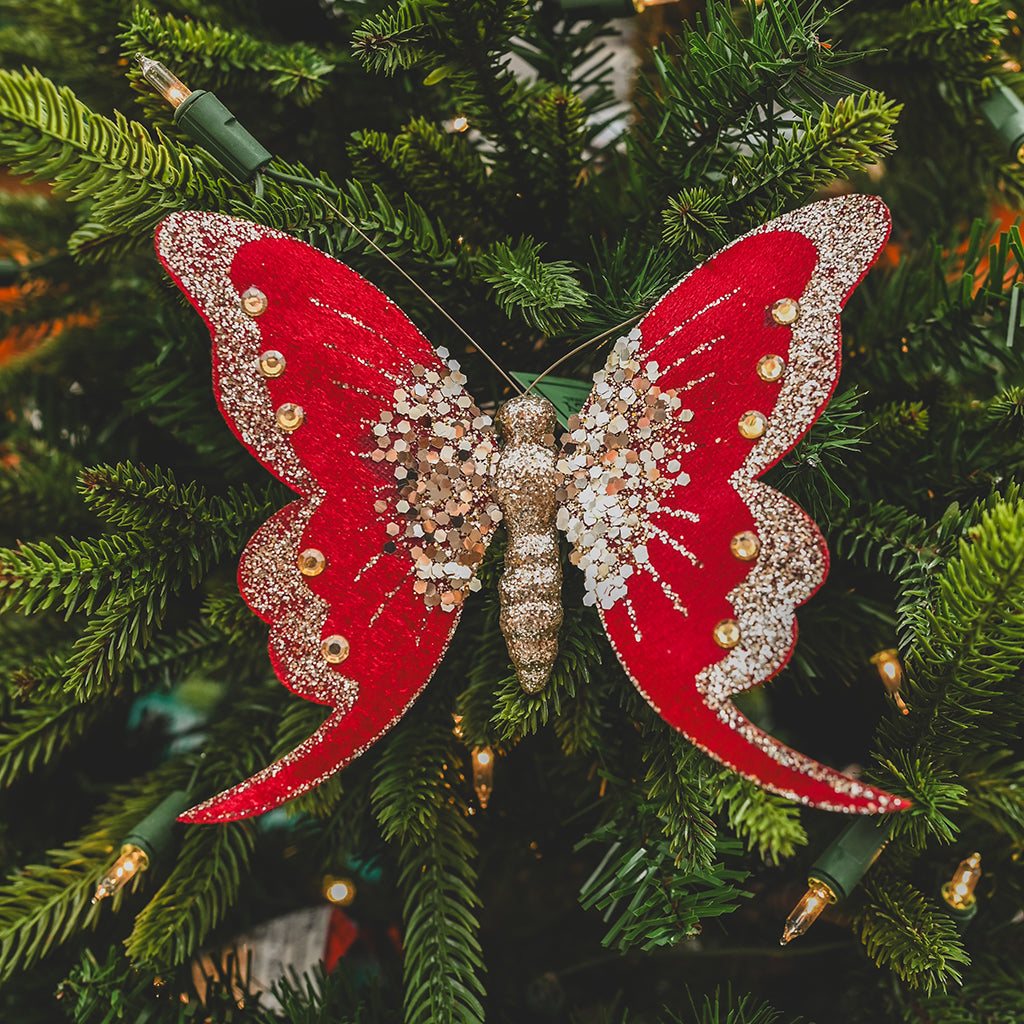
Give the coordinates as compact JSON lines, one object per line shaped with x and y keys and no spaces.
{"x":563,"y":855}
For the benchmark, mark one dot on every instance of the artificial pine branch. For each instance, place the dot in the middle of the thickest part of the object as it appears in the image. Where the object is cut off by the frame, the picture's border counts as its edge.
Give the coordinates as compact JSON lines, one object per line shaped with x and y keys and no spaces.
{"x":37,"y":485}
{"x":546,"y":295}
{"x":911,"y":936}
{"x":439,"y":169}
{"x":37,"y":734}
{"x":946,"y":33}
{"x":44,"y":905}
{"x":647,"y":900}
{"x":994,"y":784}
{"x":200,"y":889}
{"x":50,"y":134}
{"x":679,"y":787}
{"x":418,"y":803}
{"x":222,"y":57}
{"x":849,"y":136}
{"x":765,"y":822}
{"x":973,"y":639}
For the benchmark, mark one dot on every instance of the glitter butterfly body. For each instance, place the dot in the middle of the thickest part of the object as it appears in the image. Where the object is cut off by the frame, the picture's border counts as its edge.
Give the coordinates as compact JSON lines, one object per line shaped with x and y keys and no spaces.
{"x":695,"y":567}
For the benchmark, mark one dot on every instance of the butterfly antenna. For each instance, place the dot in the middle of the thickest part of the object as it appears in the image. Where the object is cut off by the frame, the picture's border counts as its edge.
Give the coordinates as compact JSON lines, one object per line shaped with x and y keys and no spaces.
{"x":580,"y":347}
{"x":321,"y":188}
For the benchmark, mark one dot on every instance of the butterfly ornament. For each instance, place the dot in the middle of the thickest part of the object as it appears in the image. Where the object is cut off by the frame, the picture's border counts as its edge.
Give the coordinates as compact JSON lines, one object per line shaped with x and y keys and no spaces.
{"x":695,"y":567}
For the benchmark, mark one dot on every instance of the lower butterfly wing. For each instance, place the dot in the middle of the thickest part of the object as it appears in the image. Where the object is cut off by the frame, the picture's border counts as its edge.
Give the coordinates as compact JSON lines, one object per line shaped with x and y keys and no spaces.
{"x":697,"y":567}
{"x":333,"y":389}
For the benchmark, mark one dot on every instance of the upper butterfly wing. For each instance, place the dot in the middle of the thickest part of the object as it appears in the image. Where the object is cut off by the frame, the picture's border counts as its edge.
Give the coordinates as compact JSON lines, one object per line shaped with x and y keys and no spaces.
{"x":335,"y":391}
{"x":697,"y":568}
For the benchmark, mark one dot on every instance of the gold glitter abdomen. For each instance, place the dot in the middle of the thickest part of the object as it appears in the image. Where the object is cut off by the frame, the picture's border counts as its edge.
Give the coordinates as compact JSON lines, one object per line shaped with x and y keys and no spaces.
{"x":531,"y":585}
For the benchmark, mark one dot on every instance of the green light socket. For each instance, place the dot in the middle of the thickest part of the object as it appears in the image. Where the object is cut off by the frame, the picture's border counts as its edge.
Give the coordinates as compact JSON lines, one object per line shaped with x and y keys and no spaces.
{"x":1005,"y":112}
{"x":962,"y":915}
{"x":153,"y":835}
{"x":851,"y":853}
{"x":220,"y":133}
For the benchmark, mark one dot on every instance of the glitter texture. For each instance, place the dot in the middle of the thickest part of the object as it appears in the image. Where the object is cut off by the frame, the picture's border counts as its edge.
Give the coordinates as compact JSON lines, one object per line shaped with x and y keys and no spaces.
{"x":402,"y":481}
{"x":440,"y":450}
{"x":621,"y":454}
{"x":344,"y":350}
{"x":531,"y":584}
{"x":658,"y":587}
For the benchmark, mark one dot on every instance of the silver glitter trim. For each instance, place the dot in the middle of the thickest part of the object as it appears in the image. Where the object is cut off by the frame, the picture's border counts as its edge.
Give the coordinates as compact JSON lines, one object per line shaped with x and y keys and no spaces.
{"x":847,"y":233}
{"x":274,"y":588}
{"x":199,"y":249}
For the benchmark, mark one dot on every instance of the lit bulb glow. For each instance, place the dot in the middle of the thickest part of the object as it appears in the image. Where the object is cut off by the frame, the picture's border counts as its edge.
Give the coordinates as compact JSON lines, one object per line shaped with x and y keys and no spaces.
{"x":131,"y":862}
{"x":164,"y":81}
{"x":958,"y":892}
{"x":891,"y":672}
{"x":807,"y":911}
{"x":483,"y":774}
{"x":460,"y":123}
{"x":341,"y":891}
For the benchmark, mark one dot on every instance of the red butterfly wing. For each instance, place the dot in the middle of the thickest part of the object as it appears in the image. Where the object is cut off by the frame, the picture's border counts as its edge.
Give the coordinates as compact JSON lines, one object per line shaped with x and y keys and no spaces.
{"x":696,"y":567}
{"x":333,"y":389}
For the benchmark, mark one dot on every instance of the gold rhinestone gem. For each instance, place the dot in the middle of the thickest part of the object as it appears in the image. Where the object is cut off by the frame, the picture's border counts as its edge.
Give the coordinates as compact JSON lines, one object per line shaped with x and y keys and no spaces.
{"x":334,"y":649}
{"x":727,"y":633}
{"x":312,"y":562}
{"x":254,"y":302}
{"x":785,"y":311}
{"x":752,"y":424}
{"x":745,"y":546}
{"x":289,"y":416}
{"x":271,"y":363}
{"x":771,"y":368}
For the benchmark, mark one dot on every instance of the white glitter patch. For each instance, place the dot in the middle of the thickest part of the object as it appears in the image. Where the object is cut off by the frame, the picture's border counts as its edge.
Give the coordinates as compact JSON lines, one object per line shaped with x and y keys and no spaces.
{"x":620,"y":458}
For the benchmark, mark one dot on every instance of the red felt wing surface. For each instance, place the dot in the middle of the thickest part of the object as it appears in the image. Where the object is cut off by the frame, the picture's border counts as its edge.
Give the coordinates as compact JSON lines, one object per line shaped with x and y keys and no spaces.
{"x":696,"y":567}
{"x":332,"y":388}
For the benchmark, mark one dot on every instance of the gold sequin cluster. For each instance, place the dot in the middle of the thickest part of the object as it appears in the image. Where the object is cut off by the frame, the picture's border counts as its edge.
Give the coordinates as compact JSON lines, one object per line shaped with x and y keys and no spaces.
{"x":619,"y":458}
{"x":442,"y":514}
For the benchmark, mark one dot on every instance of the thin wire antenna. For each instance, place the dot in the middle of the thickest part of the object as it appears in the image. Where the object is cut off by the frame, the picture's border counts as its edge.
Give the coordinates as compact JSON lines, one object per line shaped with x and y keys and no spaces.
{"x":581,"y":346}
{"x":321,"y":188}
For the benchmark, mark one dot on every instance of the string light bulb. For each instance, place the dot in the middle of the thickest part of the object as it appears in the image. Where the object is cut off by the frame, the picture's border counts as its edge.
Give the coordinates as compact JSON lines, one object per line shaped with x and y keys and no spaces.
{"x":891,"y":672}
{"x":483,"y":774}
{"x":836,"y":872}
{"x":340,"y":891}
{"x":958,"y":892}
{"x":132,"y":861}
{"x":207,"y":121}
{"x":147,"y":842}
{"x":164,"y":81}
{"x":807,"y":911}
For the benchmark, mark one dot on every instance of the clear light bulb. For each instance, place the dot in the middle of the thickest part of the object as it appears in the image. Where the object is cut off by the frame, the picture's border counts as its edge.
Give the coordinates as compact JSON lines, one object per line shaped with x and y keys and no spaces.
{"x":131,"y":862}
{"x":165,"y":82}
{"x":958,"y":892}
{"x":807,"y":911}
{"x":483,"y":774}
{"x":341,"y":891}
{"x":891,"y":672}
